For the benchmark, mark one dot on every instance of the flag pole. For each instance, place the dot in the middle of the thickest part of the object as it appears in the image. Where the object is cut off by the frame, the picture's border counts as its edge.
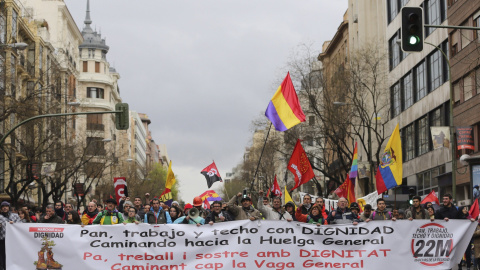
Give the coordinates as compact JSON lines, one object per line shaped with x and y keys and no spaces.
{"x":261,"y":154}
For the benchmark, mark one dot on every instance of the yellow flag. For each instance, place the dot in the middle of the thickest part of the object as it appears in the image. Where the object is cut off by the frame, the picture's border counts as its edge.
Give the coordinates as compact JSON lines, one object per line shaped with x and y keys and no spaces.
{"x":389,"y":174}
{"x":288,"y":198}
{"x":170,"y":177}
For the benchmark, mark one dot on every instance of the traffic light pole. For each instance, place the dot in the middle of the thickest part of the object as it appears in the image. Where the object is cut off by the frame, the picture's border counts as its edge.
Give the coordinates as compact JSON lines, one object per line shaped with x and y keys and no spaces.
{"x":47,"y":116}
{"x":452,"y":27}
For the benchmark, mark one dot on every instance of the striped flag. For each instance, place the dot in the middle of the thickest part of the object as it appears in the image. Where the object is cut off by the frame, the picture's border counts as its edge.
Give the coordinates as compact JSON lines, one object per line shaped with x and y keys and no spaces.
{"x":354,"y":169}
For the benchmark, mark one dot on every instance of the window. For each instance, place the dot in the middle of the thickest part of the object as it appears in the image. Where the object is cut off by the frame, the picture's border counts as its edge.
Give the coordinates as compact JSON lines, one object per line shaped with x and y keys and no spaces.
{"x":454,"y":42}
{"x":95,"y":146}
{"x":85,"y":66}
{"x":93,"y":92}
{"x":14,"y":24}
{"x":2,"y":76}
{"x":477,"y":81}
{"x":436,"y":117}
{"x":40,"y":60}
{"x":467,"y":35}
{"x":435,"y":11}
{"x":420,"y":81}
{"x":476,"y":23}
{"x":394,"y":51}
{"x":396,"y":104}
{"x":95,"y":122}
{"x":392,"y":9}
{"x":456,"y":92}
{"x":407,"y":90}
{"x":409,"y":142}
{"x":97,"y":67}
{"x":468,"y":87}
{"x":435,"y":70}
{"x":13,"y":76}
{"x":423,"y":133}
{"x":3,"y":28}
{"x":428,"y":181}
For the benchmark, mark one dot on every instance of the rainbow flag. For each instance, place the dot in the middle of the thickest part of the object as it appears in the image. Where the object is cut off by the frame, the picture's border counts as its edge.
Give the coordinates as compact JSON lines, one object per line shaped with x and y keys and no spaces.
{"x":354,"y":169}
{"x":210,"y":195}
{"x":389,"y":173}
{"x":284,"y":109}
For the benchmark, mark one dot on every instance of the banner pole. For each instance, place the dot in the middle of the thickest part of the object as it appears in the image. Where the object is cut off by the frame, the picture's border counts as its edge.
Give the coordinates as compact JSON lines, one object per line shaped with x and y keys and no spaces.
{"x":261,"y":154}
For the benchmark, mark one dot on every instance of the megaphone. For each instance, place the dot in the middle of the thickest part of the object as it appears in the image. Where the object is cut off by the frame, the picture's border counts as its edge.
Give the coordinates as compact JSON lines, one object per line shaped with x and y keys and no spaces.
{"x":193,"y":213}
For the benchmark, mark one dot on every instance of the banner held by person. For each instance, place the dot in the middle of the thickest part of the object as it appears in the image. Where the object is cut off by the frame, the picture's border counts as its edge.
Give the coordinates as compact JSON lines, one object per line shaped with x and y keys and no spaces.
{"x":211,"y":174}
{"x":404,"y":244}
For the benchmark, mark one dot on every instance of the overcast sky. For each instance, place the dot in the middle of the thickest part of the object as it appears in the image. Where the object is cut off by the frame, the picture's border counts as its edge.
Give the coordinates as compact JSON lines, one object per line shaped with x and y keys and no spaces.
{"x":203,"y":70}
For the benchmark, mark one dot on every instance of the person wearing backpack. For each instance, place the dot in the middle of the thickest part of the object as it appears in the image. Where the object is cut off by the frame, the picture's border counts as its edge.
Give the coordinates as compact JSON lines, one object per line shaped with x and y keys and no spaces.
{"x":157,"y":215}
{"x":382,"y":213}
{"x":109,"y":216}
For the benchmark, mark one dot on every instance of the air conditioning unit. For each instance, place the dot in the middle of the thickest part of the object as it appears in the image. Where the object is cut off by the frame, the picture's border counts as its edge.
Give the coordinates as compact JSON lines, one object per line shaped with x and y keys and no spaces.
{"x":464,"y":202}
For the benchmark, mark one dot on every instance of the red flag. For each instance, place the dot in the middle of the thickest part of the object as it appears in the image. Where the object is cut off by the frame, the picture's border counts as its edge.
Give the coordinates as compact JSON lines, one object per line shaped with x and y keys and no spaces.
{"x":206,"y":204}
{"x":346,"y":190}
{"x":474,"y":211}
{"x":431,"y":197}
{"x":120,"y":184}
{"x":211,"y":174}
{"x":300,"y":166}
{"x":275,"y":190}
{"x":111,"y":197}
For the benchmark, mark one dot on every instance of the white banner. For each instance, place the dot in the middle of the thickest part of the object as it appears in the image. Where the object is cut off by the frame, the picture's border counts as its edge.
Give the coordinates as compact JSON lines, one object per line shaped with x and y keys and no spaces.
{"x":239,"y":245}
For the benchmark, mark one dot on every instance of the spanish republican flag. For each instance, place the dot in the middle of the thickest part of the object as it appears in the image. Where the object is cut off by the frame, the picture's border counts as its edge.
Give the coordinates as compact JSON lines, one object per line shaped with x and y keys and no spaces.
{"x":389,"y":173}
{"x":284,"y":109}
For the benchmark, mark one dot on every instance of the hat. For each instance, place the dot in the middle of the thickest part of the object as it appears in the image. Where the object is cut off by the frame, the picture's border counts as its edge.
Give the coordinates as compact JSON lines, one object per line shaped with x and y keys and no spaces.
{"x":290,"y":203}
{"x":5,"y":203}
{"x":112,"y":201}
{"x":476,"y":186}
{"x":245,"y":199}
{"x":354,"y":205}
{"x":187,"y":206}
{"x":175,"y":202}
{"x":197,"y":201}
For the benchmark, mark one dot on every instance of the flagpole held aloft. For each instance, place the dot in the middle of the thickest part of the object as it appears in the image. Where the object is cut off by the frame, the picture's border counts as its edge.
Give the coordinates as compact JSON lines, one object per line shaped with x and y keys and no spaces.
{"x":260,"y":159}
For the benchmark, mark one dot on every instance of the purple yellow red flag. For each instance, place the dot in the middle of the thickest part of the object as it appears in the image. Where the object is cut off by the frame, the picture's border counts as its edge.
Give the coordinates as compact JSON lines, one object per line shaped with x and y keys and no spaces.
{"x":210,"y":195}
{"x":284,"y":109}
{"x":354,"y":170}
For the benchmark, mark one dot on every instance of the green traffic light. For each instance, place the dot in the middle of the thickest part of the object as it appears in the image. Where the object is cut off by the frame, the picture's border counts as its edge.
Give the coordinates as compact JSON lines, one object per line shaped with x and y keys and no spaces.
{"x":413,"y":40}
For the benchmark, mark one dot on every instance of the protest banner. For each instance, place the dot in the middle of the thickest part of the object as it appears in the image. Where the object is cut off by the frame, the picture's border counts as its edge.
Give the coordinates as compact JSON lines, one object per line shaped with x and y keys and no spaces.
{"x":417,"y":244}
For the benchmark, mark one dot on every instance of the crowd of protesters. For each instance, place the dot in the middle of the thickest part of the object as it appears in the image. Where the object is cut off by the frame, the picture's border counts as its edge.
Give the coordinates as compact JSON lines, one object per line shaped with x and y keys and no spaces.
{"x":239,"y":207}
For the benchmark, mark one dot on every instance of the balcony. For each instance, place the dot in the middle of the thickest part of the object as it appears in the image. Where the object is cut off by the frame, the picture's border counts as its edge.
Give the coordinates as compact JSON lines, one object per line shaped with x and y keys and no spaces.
{"x":95,"y":126}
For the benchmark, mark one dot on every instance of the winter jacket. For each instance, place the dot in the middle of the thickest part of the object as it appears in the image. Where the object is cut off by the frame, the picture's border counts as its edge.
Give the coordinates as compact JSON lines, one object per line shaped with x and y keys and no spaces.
{"x":381,"y":215}
{"x":161,"y":217}
{"x":308,"y":218}
{"x":108,"y":218}
{"x":271,"y":214}
{"x":476,"y":241}
{"x":411,"y":213}
{"x":240,"y":213}
{"x":88,"y":217}
{"x":53,"y":219}
{"x":216,"y":217}
{"x":340,"y":216}
{"x":4,"y":220}
{"x":447,"y":212}
{"x":197,"y":220}
{"x":304,"y":209}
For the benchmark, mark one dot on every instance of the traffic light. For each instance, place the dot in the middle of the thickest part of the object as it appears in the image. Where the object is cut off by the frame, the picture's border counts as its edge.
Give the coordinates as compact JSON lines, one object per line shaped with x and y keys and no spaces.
{"x":412,"y":29}
{"x":121,"y":118}
{"x":411,"y":194}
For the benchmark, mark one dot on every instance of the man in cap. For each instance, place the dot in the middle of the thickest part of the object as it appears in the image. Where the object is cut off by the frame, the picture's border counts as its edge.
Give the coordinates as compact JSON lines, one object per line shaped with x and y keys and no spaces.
{"x":110,"y":215}
{"x":275,"y":212}
{"x":355,"y":210}
{"x":245,"y":211}
{"x":5,"y":217}
{"x":197,"y":203}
